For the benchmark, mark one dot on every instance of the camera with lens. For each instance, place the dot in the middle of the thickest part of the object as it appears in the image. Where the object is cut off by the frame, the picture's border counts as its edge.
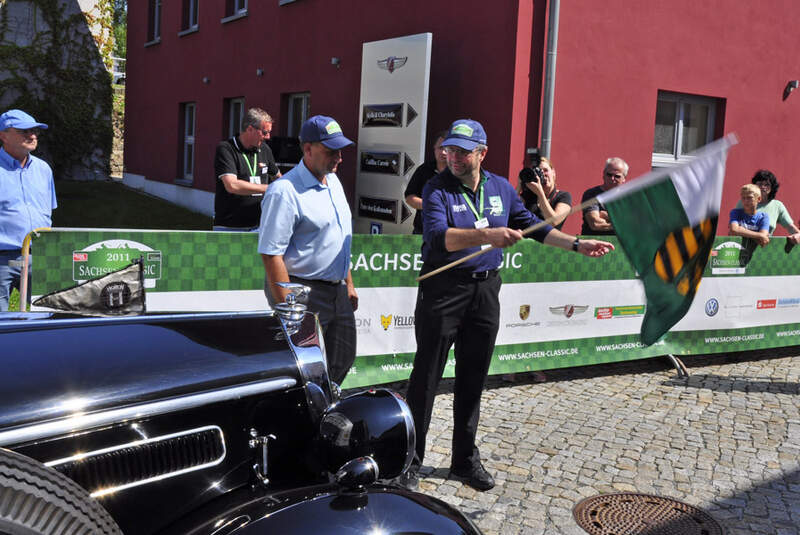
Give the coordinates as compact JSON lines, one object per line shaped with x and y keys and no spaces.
{"x":534,"y":173}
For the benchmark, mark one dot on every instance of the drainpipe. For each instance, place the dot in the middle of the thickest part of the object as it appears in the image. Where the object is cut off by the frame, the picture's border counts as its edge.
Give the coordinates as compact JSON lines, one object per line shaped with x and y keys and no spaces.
{"x":550,"y":78}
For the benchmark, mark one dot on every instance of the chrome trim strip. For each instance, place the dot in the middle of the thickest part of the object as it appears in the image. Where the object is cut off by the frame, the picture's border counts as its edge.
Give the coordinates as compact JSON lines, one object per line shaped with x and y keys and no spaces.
{"x":82,"y":422}
{"x":93,"y":321}
{"x":103,"y":492}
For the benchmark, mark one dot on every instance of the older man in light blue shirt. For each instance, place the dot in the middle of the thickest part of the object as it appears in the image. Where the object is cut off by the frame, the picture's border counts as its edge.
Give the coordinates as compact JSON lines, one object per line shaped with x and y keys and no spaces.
{"x":305,"y":237}
{"x":27,"y":194}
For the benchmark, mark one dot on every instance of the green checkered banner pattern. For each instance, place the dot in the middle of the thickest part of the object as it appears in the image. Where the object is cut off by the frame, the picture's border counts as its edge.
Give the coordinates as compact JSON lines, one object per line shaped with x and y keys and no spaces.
{"x":184,"y":270}
{"x":558,"y":309}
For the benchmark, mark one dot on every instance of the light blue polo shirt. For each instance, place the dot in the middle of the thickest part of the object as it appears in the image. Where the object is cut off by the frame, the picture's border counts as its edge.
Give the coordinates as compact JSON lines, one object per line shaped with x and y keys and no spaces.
{"x":27,"y":198}
{"x":308,"y":223}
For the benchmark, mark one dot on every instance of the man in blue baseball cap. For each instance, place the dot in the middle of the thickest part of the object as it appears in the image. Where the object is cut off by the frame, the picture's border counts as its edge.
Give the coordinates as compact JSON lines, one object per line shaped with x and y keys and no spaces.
{"x":305,"y":236}
{"x":27,"y":193}
{"x":466,"y":209}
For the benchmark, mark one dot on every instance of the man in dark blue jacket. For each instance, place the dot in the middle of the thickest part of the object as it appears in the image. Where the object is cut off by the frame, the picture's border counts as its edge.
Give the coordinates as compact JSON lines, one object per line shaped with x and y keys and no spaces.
{"x":465,"y":209}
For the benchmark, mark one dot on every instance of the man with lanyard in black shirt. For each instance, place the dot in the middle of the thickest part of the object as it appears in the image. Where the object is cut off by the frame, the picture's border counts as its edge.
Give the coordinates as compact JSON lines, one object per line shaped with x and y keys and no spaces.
{"x":425,"y":172}
{"x":244,"y":166}
{"x":465,"y":209}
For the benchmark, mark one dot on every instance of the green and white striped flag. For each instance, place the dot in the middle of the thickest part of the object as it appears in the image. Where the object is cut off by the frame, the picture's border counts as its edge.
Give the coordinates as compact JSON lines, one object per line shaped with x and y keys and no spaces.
{"x":666,"y":221}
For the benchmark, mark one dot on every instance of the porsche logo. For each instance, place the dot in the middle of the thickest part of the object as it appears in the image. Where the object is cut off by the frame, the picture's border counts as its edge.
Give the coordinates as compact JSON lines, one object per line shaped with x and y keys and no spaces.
{"x":524,"y":312}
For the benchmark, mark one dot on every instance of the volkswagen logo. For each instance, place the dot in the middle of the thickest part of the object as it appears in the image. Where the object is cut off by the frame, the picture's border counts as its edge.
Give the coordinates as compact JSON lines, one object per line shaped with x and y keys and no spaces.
{"x":712,"y":307}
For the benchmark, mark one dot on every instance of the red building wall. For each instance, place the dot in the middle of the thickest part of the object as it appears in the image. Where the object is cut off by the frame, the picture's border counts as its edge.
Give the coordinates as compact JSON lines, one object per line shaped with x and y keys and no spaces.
{"x":472,"y":75}
{"x":487,"y":64}
{"x":613,"y":60}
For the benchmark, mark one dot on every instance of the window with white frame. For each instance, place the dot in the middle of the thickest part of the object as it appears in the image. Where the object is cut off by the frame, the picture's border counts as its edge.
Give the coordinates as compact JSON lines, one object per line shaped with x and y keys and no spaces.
{"x":235,"y":113}
{"x":154,"y":21}
{"x":684,"y":123}
{"x":299,"y":106}
{"x":235,"y":7}
{"x":189,"y":122}
{"x":189,"y":15}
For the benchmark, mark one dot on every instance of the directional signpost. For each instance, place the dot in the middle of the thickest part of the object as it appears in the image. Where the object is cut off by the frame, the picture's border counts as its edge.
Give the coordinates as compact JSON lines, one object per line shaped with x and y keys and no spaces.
{"x":391,"y":136}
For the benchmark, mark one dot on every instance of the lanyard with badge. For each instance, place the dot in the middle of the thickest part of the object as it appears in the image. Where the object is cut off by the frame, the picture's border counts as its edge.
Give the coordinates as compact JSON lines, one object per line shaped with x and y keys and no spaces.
{"x":480,"y":222}
{"x":255,"y":178}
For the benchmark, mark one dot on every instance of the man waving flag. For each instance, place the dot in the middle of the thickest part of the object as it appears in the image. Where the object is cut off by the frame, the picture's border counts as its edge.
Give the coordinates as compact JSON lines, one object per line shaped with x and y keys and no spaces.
{"x":666,"y":221}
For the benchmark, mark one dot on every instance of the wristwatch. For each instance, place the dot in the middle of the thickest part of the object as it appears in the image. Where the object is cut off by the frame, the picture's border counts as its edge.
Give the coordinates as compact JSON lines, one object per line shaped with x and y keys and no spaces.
{"x":576,"y":244}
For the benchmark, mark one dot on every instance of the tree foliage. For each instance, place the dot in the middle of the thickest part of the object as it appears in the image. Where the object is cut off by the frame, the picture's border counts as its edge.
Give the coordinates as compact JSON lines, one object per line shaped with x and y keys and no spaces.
{"x":120,"y":25}
{"x":61,"y":77}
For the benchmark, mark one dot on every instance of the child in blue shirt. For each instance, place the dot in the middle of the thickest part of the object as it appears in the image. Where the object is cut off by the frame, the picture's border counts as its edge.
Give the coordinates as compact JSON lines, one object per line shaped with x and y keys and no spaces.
{"x":745,"y":221}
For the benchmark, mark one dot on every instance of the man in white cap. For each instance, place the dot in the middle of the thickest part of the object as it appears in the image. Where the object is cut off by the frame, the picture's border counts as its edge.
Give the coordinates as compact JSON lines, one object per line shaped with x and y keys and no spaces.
{"x":27,"y":194}
{"x":305,"y":236}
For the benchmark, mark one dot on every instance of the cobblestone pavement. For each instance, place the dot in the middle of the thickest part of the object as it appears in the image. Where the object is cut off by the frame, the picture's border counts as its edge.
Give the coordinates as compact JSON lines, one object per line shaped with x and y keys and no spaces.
{"x":726,"y":440}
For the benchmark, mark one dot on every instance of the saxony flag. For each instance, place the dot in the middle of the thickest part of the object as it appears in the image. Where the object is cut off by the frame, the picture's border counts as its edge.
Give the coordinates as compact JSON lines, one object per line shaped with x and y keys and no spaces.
{"x":666,"y":221}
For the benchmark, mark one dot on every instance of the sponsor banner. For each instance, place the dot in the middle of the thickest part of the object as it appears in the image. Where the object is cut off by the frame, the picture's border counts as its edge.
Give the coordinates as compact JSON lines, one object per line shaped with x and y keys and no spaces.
{"x":382,"y":115}
{"x":733,"y":302}
{"x":729,"y":258}
{"x":98,"y":259}
{"x":175,"y":261}
{"x":564,"y":310}
{"x":385,"y":321}
{"x":630,"y":311}
{"x":558,"y":309}
{"x":208,"y":301}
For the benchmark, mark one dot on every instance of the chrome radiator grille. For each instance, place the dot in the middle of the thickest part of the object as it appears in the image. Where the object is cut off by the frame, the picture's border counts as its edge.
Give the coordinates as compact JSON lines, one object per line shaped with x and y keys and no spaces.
{"x":136,"y":463}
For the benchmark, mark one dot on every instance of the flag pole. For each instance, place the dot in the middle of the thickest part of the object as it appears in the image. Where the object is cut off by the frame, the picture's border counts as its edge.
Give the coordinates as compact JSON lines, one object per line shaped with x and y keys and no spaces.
{"x":23,"y":279}
{"x":525,"y":232}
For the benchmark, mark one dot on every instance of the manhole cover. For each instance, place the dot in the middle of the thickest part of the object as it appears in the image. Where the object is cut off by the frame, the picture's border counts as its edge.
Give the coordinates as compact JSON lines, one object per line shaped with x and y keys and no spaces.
{"x":642,"y":514}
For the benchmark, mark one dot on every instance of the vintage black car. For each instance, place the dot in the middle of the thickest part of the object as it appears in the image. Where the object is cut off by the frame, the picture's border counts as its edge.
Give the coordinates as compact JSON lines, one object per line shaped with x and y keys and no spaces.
{"x":207,"y":423}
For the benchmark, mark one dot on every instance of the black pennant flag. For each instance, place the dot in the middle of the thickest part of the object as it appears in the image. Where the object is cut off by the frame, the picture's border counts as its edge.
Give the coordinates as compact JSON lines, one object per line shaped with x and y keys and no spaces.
{"x":118,"y":293}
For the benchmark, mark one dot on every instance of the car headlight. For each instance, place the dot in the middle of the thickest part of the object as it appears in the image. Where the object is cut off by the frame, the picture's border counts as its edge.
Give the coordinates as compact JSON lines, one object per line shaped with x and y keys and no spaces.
{"x":375,"y":423}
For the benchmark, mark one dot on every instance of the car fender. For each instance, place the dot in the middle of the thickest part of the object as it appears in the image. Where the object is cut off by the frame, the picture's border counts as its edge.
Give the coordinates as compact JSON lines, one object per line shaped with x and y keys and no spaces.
{"x":379,"y":509}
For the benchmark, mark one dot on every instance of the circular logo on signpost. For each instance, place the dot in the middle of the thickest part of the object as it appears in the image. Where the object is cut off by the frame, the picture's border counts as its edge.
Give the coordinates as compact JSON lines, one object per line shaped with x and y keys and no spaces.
{"x":712,"y":307}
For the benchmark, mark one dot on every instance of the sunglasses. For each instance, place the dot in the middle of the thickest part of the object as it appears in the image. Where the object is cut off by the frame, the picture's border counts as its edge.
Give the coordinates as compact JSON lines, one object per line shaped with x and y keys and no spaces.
{"x":263,"y":132}
{"x":456,"y":151}
{"x":28,"y":131}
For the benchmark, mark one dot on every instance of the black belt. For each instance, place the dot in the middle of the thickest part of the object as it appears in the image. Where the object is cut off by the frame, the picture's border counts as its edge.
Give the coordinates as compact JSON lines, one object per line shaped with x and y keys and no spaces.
{"x":6,"y":251}
{"x":320,"y":281}
{"x":475,"y":275}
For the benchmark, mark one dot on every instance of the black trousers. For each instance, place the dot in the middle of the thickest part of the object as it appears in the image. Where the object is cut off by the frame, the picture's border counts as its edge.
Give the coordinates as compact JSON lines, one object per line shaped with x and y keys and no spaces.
{"x":453,"y":308}
{"x":338,"y":322}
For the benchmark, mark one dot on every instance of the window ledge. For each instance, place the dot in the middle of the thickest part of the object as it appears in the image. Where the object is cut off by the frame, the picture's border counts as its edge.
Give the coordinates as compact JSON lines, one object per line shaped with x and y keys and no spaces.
{"x":187,"y":31}
{"x":187,"y":182}
{"x":153,"y":42}
{"x":668,"y":160}
{"x":235,"y":16}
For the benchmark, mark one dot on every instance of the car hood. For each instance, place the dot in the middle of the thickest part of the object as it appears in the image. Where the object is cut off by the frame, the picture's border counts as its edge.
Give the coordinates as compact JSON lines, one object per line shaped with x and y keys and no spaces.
{"x":60,"y":365}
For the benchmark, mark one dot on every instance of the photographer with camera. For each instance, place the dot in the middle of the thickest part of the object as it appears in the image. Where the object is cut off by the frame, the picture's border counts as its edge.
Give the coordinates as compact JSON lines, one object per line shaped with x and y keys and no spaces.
{"x":537,"y":187}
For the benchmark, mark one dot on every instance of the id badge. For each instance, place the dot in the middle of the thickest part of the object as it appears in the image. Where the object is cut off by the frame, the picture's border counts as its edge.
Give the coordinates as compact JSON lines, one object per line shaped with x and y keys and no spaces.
{"x":255,"y":179}
{"x":483,"y":223}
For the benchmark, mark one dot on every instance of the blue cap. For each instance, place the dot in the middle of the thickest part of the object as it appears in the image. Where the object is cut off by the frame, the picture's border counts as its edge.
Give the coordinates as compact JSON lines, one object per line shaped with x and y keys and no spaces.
{"x":465,"y":133}
{"x":324,"y":130}
{"x":18,"y":119}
